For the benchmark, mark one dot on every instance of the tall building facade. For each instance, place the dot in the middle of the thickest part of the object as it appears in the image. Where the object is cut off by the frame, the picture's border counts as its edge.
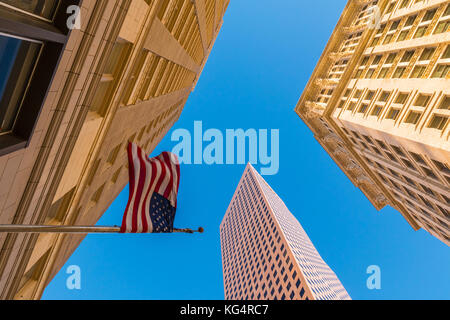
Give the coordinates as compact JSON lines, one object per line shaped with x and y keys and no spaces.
{"x":378,"y":102}
{"x":266,"y":254}
{"x":75,"y":92}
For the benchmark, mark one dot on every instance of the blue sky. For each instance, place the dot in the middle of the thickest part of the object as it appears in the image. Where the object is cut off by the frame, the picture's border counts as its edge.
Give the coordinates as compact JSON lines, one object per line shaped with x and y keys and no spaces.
{"x":257,"y":70}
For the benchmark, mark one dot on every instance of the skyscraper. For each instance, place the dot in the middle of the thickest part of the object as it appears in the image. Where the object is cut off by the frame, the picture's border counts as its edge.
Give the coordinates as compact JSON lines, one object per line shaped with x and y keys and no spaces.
{"x":266,"y":254}
{"x":75,"y":91}
{"x":378,"y":102}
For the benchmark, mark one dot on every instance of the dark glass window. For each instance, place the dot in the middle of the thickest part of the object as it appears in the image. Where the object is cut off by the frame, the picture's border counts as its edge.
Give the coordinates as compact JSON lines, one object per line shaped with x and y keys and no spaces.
{"x":42,"y":8}
{"x":32,"y":38}
{"x":17,"y":60}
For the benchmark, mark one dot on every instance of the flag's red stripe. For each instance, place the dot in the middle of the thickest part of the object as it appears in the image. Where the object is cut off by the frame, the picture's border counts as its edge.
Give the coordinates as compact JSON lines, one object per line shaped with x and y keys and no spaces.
{"x":152,"y":175}
{"x":169,"y":165}
{"x":123,"y":229}
{"x":137,"y":198}
{"x":138,"y":179}
{"x":177,"y":166}
{"x":141,"y":214}
{"x":161,"y":177}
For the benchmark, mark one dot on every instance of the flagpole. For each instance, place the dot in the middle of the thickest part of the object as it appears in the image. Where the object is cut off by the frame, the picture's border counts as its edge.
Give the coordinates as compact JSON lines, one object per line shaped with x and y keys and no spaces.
{"x":73,"y":229}
{"x":200,"y":230}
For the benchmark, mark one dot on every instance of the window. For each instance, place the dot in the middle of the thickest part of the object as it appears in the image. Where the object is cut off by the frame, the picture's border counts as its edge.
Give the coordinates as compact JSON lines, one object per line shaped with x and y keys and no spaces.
{"x":43,"y":9}
{"x":370,"y":95}
{"x":446,"y":54}
{"x":413,"y":117}
{"x":398,"y":151}
{"x":407,"y":56}
{"x":393,"y":114}
{"x":111,"y":73}
{"x":383,"y":73}
{"x":427,"y":54}
{"x":382,"y":145}
{"x":17,"y":61}
{"x":442,"y":167}
{"x":351,"y":106}
{"x":425,"y":23}
{"x":410,"y":21}
{"x":443,"y":25}
{"x":418,"y":72}
{"x":417,"y":157}
{"x":29,"y":30}
{"x":429,"y":15}
{"x":351,"y":42}
{"x":390,"y":59}
{"x":442,"y":66}
{"x":399,"y":72}
{"x":364,"y":61}
{"x":404,"y":4}
{"x":406,"y":28}
{"x":302,"y":293}
{"x":438,"y":122}
{"x":402,"y":36}
{"x":440,"y":71}
{"x":376,"y":60}
{"x":420,"y":68}
{"x":154,"y":61}
{"x":363,"y":108}
{"x":422,"y":100}
{"x":130,"y":94}
{"x":420,"y":32}
{"x":387,"y":65}
{"x":377,"y":37}
{"x":384,"y":96}
{"x":373,"y":66}
{"x":391,"y":32}
{"x":377,"y":111}
{"x":445,"y":103}
{"x":401,"y":98}
{"x":162,"y":10}
{"x":347,"y":92}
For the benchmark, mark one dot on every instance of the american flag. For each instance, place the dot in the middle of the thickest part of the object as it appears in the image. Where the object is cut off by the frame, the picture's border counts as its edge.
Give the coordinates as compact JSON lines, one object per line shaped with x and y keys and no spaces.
{"x":154,"y":186}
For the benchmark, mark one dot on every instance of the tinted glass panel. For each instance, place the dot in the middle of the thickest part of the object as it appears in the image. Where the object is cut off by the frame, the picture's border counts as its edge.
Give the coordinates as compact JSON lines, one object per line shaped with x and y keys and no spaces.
{"x":17,"y":60}
{"x":43,"y":8}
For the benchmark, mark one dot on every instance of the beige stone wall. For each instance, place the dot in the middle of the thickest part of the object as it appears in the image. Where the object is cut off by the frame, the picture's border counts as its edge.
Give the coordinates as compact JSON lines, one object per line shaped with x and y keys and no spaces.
{"x":400,"y":158}
{"x":76,"y":163}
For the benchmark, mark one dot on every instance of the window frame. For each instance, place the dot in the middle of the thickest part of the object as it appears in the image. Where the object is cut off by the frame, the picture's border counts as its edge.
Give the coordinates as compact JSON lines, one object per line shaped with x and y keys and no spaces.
{"x":54,"y":36}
